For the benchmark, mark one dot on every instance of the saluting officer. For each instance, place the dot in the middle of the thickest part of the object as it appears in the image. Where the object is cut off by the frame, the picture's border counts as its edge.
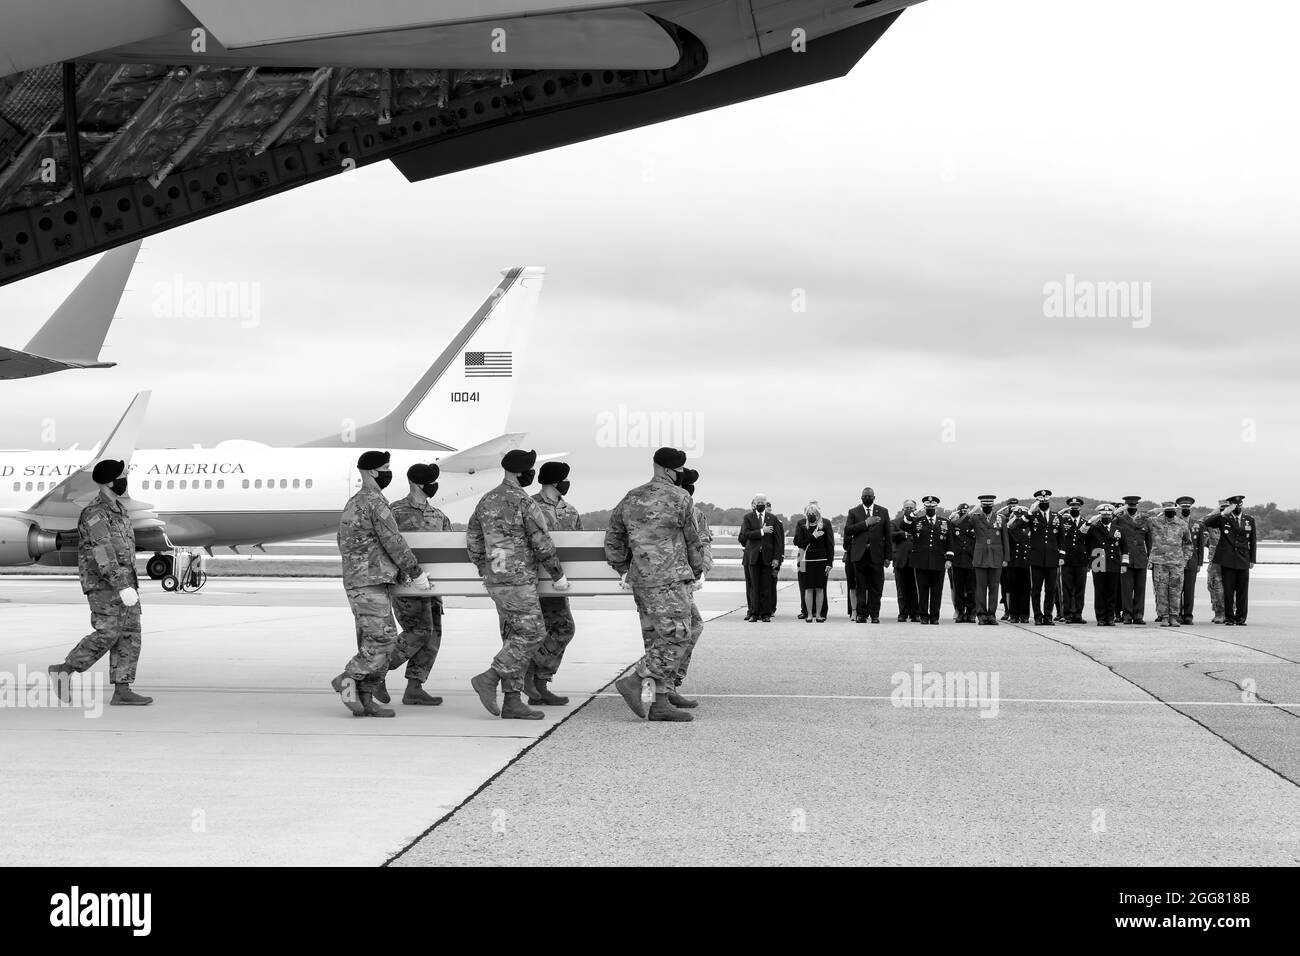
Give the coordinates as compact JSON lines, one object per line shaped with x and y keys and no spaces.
{"x":931,"y":555}
{"x":989,"y":557}
{"x":1136,"y":529}
{"x":1018,"y":572}
{"x":1045,"y":556}
{"x":1005,"y":511}
{"x":1108,"y":548}
{"x":106,"y":565}
{"x":1074,"y":569}
{"x":419,"y":617}
{"x":1193,"y":568}
{"x":963,"y":566}
{"x":1235,"y":556}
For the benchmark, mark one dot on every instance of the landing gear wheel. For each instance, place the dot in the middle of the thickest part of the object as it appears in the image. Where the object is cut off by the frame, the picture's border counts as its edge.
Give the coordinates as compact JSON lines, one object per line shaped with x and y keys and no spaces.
{"x":169,"y":582}
{"x":158,"y":567}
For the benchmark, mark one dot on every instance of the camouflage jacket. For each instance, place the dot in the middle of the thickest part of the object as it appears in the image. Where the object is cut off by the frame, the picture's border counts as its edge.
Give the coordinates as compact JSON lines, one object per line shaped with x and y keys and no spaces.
{"x":560,"y":516}
{"x":507,"y":538}
{"x":706,"y":535}
{"x":106,"y":552}
{"x":652,"y":537}
{"x":374,"y":551}
{"x":1171,"y":541}
{"x":415,"y":517}
{"x":1211,"y":541}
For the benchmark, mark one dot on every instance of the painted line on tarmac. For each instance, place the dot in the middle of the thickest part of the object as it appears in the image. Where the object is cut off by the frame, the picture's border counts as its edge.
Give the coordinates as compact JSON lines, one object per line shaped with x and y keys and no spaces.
{"x":1001,"y":700}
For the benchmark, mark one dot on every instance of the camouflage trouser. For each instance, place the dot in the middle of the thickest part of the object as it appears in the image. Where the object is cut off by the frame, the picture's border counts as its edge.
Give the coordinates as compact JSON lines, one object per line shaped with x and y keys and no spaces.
{"x":117,"y":631}
{"x":372,"y":610}
{"x":1214,"y":580}
{"x":522,"y":631}
{"x":670,"y":625}
{"x":421,"y":623}
{"x":559,"y":631}
{"x":1168,"y":579}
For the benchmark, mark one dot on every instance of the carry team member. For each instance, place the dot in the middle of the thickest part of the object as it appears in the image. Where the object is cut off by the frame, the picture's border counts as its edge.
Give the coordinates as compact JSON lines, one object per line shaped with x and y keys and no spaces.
{"x":106,"y":565}
{"x":419,"y":617}
{"x":556,"y":615}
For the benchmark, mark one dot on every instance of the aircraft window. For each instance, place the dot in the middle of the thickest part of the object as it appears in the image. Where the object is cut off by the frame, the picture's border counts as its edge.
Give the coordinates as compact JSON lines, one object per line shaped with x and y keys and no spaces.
{"x":295,"y":482}
{"x":208,"y":483}
{"x":258,"y":483}
{"x":183,"y":484}
{"x":170,"y":484}
{"x":245,"y":482}
{"x":284,"y":483}
{"x":308,"y":482}
{"x":18,"y":486}
{"x":221,"y":483}
{"x":29,"y":486}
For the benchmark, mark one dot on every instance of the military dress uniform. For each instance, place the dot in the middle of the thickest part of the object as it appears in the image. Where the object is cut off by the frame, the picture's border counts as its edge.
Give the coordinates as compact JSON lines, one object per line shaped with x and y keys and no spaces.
{"x":1107,"y":546}
{"x":375,"y":557}
{"x":106,"y":566}
{"x":556,"y":615}
{"x":991,"y":547}
{"x":1018,"y":567}
{"x":1193,"y":567}
{"x":1045,"y":556}
{"x":420,"y":617}
{"x":1234,"y":555}
{"x":653,"y":539}
{"x":931,"y":552}
{"x":1136,"y":529}
{"x":1074,"y":573}
{"x":963,"y":572}
{"x":508,"y":542}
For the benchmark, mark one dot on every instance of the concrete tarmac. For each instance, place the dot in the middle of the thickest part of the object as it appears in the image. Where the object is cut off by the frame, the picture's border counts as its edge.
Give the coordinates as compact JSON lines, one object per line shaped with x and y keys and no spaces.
{"x":813,"y":744}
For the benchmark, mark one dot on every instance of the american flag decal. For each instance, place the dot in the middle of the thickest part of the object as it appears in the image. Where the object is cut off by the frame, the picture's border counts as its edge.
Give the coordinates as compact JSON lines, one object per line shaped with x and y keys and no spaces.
{"x":487,"y":364}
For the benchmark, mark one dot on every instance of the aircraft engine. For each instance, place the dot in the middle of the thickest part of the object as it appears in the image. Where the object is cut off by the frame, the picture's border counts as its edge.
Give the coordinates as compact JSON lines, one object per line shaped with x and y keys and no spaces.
{"x":22,"y":542}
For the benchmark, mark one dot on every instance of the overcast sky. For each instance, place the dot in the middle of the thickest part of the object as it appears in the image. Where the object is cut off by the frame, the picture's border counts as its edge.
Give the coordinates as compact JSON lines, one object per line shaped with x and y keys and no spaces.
{"x":922,"y":204}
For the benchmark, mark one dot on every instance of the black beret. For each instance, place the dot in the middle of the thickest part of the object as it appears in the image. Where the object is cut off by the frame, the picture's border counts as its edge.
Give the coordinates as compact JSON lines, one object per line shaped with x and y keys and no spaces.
{"x":553,"y":471}
{"x":107,"y":471}
{"x":422,"y":474}
{"x":670,"y":457}
{"x":689,"y":477}
{"x":518,"y":460}
{"x":373,"y":459}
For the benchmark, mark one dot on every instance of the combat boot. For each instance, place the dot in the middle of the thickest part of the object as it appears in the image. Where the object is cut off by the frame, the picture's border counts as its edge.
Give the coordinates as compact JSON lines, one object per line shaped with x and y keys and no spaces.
{"x":661,"y":709}
{"x":540,"y":695}
{"x":485,"y":685}
{"x":629,"y":685}
{"x":513,"y":708}
{"x":124,"y":696}
{"x":677,"y":700}
{"x":530,"y":684}
{"x":415,"y":694}
{"x":346,"y":688}
{"x":380,"y":691}
{"x":370,"y":709}
{"x":61,"y":679}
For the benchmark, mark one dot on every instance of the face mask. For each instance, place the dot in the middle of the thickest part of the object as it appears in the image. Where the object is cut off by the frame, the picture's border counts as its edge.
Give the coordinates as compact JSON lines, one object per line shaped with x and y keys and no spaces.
{"x":868,"y":500}
{"x":1105,"y":519}
{"x":1187,"y":512}
{"x":1132,"y":509}
{"x":562,"y":487}
{"x":1074,"y":512}
{"x":1237,"y":510}
{"x":383,"y":478}
{"x":1044,"y":505}
{"x":430,"y":489}
{"x":527,"y":477}
{"x":118,"y":487}
{"x":760,"y":507}
{"x":987,"y":509}
{"x":930,"y":512}
{"x":1169,"y":512}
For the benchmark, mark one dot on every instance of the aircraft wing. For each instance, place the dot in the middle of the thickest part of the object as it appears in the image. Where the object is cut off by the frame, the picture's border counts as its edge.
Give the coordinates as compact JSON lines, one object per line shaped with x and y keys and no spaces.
{"x":59,"y":508}
{"x":15,"y":363}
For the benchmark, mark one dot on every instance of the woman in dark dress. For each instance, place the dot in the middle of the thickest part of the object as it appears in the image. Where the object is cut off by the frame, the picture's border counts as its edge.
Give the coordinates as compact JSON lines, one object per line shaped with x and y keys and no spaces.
{"x":815,"y":539}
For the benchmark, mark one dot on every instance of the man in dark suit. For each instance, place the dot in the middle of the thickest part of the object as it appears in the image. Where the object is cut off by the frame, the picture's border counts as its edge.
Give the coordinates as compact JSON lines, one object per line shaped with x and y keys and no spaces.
{"x":1074,"y":572}
{"x":963,"y":567}
{"x":931,"y":555}
{"x":1045,"y":556}
{"x":869,"y":545}
{"x":763,"y":539}
{"x":1235,"y":556}
{"x":1193,"y":568}
{"x":904,"y":574}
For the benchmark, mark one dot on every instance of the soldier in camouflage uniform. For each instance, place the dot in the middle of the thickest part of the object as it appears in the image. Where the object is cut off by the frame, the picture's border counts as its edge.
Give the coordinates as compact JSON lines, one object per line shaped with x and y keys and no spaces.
{"x":653,"y":542}
{"x":507,"y":541}
{"x":1171,"y":548}
{"x":1214,"y":573}
{"x":375,"y":557}
{"x":106,"y":564}
{"x":420,"y":617}
{"x":689,"y":477}
{"x":1193,"y":568}
{"x":556,"y":615}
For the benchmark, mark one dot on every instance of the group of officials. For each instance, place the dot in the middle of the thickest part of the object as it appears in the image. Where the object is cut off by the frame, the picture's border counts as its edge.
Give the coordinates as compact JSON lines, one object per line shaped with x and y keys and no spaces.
{"x":660,"y":544}
{"x":1031,"y":560}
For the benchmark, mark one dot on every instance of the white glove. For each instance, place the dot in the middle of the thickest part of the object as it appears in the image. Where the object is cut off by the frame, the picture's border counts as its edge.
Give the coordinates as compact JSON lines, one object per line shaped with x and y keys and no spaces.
{"x":622,"y":582}
{"x":130,"y":596}
{"x":699,"y":583}
{"x":422,"y":582}
{"x":563,"y":583}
